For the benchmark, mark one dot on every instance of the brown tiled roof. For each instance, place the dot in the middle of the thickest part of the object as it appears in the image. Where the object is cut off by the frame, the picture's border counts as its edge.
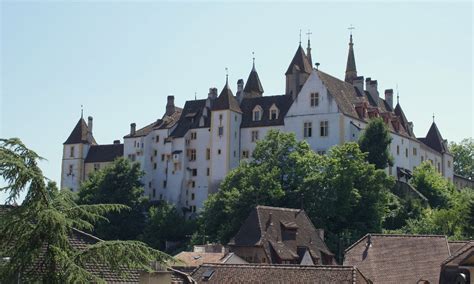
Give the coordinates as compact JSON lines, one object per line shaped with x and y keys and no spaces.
{"x":434,"y":140}
{"x":263,"y":227}
{"x":455,"y":245}
{"x":190,"y":258}
{"x":79,"y":134}
{"x":259,"y":273}
{"x":190,"y":117}
{"x":167,"y":121}
{"x":398,"y":258}
{"x":226,"y":100}
{"x":300,"y":62}
{"x":457,"y":258}
{"x":104,"y":153}
{"x":282,"y":102}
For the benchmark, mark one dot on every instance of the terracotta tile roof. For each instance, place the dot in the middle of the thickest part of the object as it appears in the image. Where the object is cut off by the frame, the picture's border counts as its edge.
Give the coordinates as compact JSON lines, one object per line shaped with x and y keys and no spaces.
{"x":166,"y":122}
{"x":79,"y":134}
{"x":282,"y":102}
{"x":255,"y":273}
{"x":191,"y":116}
{"x":190,"y":258}
{"x":300,"y":62}
{"x":104,"y":153}
{"x":226,"y":100}
{"x":263,"y":227}
{"x":398,"y":258}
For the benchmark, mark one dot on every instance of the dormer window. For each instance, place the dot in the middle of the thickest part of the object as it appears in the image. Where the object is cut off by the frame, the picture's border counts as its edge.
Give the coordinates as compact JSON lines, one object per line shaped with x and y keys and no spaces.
{"x":273,"y":112}
{"x":257,"y":113}
{"x":314,"y":99}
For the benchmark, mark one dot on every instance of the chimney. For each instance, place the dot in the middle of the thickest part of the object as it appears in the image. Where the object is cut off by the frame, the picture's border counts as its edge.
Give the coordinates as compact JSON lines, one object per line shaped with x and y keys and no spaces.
{"x":371,"y":87}
{"x":116,"y":141}
{"x":133,"y":127}
{"x":240,"y":90}
{"x":212,"y":93}
{"x":89,"y":124}
{"x":358,"y":83}
{"x":389,"y":97}
{"x":170,"y":109}
{"x":369,"y":241}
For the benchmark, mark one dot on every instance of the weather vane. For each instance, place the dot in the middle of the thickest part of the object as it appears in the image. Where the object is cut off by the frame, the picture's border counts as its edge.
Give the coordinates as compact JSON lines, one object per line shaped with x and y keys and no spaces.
{"x":351,"y":28}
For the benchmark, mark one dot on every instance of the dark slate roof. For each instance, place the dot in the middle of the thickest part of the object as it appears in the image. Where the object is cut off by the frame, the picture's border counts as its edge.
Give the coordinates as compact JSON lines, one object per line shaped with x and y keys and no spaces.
{"x":282,"y":102}
{"x":263,"y":227}
{"x":262,"y":273}
{"x":461,"y":255}
{"x":300,"y":62}
{"x":79,"y":134}
{"x":226,"y":100}
{"x":104,"y":153}
{"x":398,"y":258}
{"x":434,"y":140}
{"x":166,"y":122}
{"x":190,"y":117}
{"x":253,"y":85}
{"x":351,"y":65}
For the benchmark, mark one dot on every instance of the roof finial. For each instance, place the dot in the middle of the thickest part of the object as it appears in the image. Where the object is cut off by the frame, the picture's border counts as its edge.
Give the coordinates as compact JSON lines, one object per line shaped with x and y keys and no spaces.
{"x":82,"y":111}
{"x":300,"y":36}
{"x":433,"y":117}
{"x":398,"y":95}
{"x":253,"y":59}
{"x":309,"y":33}
{"x":350,"y":28}
{"x":226,"y":76}
{"x":195,"y":95}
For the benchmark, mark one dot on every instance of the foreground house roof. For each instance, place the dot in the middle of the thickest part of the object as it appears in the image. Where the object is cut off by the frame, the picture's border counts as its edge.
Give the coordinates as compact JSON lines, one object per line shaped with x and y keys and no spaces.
{"x":192,"y":258}
{"x":256,"y":273}
{"x":398,"y":258}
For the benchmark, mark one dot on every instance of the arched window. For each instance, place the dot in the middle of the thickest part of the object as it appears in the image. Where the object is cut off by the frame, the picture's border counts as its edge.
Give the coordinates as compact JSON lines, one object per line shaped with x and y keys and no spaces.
{"x":257,"y":113}
{"x":274,"y":111}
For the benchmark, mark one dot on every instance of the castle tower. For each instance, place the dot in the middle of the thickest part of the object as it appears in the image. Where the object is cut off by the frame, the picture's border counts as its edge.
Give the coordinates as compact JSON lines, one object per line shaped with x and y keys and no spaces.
{"x":75,"y":150}
{"x":351,"y":71}
{"x":253,"y":87}
{"x":297,"y":73}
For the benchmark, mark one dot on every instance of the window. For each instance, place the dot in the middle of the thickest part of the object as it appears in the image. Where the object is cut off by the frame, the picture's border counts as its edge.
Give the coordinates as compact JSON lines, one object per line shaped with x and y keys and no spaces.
{"x":71,"y":153}
{"x":164,"y":184}
{"x":449,"y":164}
{"x":245,"y":154}
{"x":398,"y":150}
{"x":422,"y":158}
{"x":218,"y":151}
{"x":208,"y":171}
{"x":273,"y":112}
{"x":70,"y":170}
{"x":96,"y":167}
{"x":177,"y":167}
{"x":193,"y":196}
{"x":193,"y":135}
{"x":257,"y":113}
{"x":192,"y":154}
{"x":154,"y":166}
{"x":132,"y":157}
{"x":157,"y":138}
{"x":149,"y":184}
{"x":439,"y":167}
{"x":194,"y":172}
{"x":162,"y":157}
{"x":161,"y":196}
{"x":307,"y":129}
{"x":220,"y":116}
{"x":155,"y":153}
{"x":406,"y":152}
{"x":254,"y":135}
{"x":314,"y":101}
{"x":324,"y":128}
{"x":154,"y":192}
{"x":414,"y":152}
{"x":208,"y":154}
{"x":193,"y":184}
{"x":321,"y":152}
{"x":221,"y":130}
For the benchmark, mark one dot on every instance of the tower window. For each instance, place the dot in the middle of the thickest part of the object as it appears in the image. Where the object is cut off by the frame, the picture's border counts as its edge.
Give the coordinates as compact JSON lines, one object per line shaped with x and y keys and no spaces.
{"x":70,"y":170}
{"x":314,"y":99}
{"x":164,"y":184}
{"x":208,"y":154}
{"x":398,"y":150}
{"x":208,"y":172}
{"x":71,"y":153}
{"x":221,"y":130}
{"x":192,"y":196}
{"x":307,"y":129}
{"x":324,"y":128}
{"x":157,"y":138}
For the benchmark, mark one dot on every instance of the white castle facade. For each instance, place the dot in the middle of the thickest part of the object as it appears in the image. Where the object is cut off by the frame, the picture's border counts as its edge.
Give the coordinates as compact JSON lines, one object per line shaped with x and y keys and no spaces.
{"x":188,"y":152}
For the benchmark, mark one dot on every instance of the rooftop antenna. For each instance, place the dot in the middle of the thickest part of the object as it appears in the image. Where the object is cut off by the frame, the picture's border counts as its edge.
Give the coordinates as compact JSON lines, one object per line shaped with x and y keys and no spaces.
{"x":300,"y":36}
{"x":82,"y":111}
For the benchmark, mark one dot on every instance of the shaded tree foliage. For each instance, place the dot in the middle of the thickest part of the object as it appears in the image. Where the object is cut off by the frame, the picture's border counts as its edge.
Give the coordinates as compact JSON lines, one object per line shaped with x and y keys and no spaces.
{"x":117,"y":183}
{"x":41,"y":227}
{"x":375,"y":140}
{"x":432,"y":185}
{"x":463,"y":155}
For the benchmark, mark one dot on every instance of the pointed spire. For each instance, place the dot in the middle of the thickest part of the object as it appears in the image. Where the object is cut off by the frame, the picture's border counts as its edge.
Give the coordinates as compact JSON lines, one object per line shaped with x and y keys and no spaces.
{"x":351,"y":70}
{"x":226,"y":99}
{"x":308,"y":49}
{"x":82,"y":111}
{"x":300,"y":37}
{"x":227,"y":77}
{"x":253,"y":87}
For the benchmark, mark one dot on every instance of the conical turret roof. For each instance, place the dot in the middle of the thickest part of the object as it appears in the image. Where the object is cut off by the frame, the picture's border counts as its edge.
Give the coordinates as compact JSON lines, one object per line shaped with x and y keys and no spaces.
{"x":79,"y":134}
{"x":253,"y":85}
{"x":226,"y":100}
{"x":351,"y":70}
{"x":300,"y":61}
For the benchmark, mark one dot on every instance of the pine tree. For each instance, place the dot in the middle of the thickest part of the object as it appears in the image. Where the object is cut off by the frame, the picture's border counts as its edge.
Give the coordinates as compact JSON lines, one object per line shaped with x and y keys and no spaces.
{"x":40,"y":228}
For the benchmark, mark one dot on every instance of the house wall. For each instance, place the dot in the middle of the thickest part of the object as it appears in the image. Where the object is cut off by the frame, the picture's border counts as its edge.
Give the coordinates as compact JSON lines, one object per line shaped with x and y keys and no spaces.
{"x":73,"y":180}
{"x":251,"y":254}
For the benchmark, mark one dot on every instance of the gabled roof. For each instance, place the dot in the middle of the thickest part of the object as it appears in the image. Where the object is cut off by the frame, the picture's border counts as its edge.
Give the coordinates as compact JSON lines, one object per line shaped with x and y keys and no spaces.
{"x":104,"y":153}
{"x":190,"y":117}
{"x":464,"y":255}
{"x":253,"y":85}
{"x":300,"y":62}
{"x":166,"y":122}
{"x":226,"y":100}
{"x":398,"y":258}
{"x":434,"y":140}
{"x":282,"y":102}
{"x":454,"y":246}
{"x":192,"y":258}
{"x":263,"y":227}
{"x":79,"y":134}
{"x":263,"y":273}
{"x":403,"y":119}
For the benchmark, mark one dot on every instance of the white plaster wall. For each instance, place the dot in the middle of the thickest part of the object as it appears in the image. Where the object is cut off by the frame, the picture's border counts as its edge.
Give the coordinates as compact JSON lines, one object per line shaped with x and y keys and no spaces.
{"x":246,"y":143}
{"x":73,"y":181}
{"x":220,"y":162}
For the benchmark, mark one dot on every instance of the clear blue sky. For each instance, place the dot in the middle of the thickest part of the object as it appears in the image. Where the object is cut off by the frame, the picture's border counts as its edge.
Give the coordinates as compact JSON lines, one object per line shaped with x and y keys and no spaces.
{"x":120,"y":60}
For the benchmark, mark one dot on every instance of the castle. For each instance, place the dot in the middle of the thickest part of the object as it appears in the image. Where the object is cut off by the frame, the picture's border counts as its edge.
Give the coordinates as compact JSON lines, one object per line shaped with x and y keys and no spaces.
{"x":188,"y":151}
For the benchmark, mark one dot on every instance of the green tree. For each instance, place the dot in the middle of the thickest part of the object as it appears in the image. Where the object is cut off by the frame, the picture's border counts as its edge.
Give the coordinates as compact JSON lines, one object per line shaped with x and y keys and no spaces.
{"x":117,"y":183}
{"x":41,"y":226}
{"x":375,"y":140}
{"x":463,"y":157}
{"x":165,"y":223}
{"x":432,"y":185}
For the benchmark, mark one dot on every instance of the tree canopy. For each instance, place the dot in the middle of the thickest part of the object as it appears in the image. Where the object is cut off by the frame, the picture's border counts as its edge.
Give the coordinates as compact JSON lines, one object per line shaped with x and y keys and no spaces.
{"x":463,"y":154}
{"x":117,"y":183}
{"x":41,"y":226}
{"x":375,"y":140}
